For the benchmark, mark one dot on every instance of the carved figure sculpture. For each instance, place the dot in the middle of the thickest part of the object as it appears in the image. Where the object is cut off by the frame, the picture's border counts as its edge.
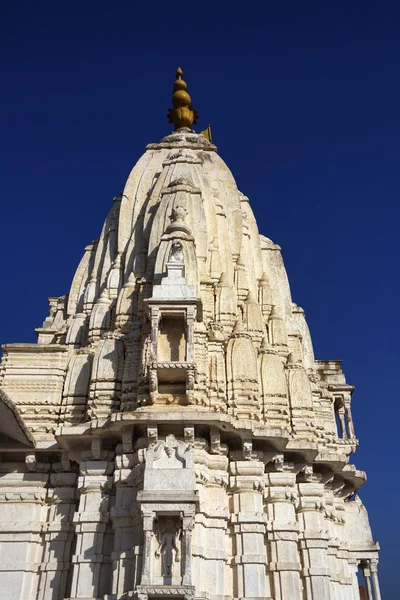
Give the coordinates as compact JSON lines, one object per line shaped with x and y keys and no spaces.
{"x":176,"y":253}
{"x":168,"y":547}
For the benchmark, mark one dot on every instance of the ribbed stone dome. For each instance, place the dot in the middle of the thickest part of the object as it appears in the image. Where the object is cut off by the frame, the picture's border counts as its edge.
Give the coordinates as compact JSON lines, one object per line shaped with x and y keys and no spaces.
{"x":184,"y":169}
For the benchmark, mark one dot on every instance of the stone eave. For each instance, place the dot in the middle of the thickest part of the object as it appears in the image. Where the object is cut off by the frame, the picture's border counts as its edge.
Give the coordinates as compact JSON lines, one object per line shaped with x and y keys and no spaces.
{"x":72,"y":437}
{"x":11,"y":423}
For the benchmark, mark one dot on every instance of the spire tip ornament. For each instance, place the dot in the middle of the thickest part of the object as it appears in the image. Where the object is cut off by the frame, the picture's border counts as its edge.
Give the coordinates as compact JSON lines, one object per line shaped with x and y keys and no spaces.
{"x":182,"y":114}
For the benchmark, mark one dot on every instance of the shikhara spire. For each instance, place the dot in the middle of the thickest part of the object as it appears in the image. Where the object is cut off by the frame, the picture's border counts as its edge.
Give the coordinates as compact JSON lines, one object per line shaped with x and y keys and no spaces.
{"x":171,"y":433}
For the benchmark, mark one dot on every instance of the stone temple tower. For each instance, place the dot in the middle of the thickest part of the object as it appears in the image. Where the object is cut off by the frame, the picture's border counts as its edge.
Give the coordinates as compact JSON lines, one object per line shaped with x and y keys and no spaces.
{"x":171,"y":434}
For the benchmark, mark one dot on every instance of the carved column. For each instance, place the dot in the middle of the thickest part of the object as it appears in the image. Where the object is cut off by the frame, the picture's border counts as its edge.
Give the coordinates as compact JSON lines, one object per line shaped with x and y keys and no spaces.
{"x":148,"y":525}
{"x":200,"y":395}
{"x":190,"y":319}
{"x":342,"y":419}
{"x":375,"y":580}
{"x":125,"y":516}
{"x":249,"y":528}
{"x":91,"y":571}
{"x":187,"y":528}
{"x":58,"y":536}
{"x":353,"y":567}
{"x":342,"y":568}
{"x":210,"y":539}
{"x":22,"y":514}
{"x":155,"y":319}
{"x":350,"y":423}
{"x":283,"y":532}
{"x":313,"y":539}
{"x":366,"y":569}
{"x":369,"y":588}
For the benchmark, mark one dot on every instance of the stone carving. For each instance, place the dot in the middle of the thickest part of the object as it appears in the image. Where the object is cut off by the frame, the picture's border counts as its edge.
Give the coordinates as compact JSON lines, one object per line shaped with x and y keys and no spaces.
{"x":143,"y":592}
{"x":243,"y":388}
{"x":153,"y":385}
{"x":273,"y":387}
{"x":253,"y":318}
{"x":126,"y":309}
{"x":177,"y":217}
{"x":171,"y":453}
{"x":176,"y":255}
{"x":277,"y":331}
{"x":168,"y":545}
{"x":226,"y":305}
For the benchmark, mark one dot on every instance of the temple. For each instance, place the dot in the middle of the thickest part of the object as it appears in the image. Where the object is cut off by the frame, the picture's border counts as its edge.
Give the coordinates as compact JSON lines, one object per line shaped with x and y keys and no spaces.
{"x":171,"y":434}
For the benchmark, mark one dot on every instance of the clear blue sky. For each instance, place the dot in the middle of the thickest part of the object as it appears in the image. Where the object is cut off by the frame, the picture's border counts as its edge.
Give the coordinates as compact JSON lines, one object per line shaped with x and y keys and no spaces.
{"x":303,"y":99}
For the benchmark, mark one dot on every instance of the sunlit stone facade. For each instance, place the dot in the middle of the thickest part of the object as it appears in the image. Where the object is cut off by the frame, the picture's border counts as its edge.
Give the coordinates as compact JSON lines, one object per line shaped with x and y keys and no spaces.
{"x":171,"y":433}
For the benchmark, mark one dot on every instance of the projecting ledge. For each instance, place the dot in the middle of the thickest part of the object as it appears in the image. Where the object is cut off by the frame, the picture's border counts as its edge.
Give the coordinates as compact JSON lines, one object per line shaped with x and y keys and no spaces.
{"x":12,"y":426}
{"x":168,"y":496}
{"x":33,"y":348}
{"x":171,"y":591}
{"x":308,"y":449}
{"x":364,"y":547}
{"x":334,"y":460}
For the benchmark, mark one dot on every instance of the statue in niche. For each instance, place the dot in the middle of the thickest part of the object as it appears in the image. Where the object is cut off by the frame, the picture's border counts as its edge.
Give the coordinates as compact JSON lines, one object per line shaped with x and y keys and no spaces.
{"x":176,"y":255}
{"x":168,"y":546}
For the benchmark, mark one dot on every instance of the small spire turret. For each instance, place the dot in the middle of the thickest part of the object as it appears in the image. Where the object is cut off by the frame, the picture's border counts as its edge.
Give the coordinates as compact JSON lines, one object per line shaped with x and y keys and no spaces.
{"x":182,"y":114}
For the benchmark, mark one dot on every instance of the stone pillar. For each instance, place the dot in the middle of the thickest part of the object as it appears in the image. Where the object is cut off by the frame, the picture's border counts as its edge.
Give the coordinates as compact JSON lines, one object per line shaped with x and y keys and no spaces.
{"x":342,"y":419}
{"x":187,"y":528}
{"x":147,"y":567}
{"x":313,"y":540}
{"x":350,"y":423}
{"x":22,"y":514}
{"x":190,"y":318}
{"x":210,"y":538}
{"x":201,"y":395}
{"x":282,"y":535}
{"x":127,"y":523}
{"x":248,"y":523}
{"x":58,"y":533}
{"x":365,"y":566}
{"x":155,"y":321}
{"x":369,"y":589}
{"x":341,"y":576}
{"x":353,"y":567}
{"x":375,"y":580}
{"x":90,"y":568}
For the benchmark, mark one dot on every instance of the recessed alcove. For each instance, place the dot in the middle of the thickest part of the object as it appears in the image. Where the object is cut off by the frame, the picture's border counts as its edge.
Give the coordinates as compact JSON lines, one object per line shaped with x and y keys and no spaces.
{"x":172,"y":338}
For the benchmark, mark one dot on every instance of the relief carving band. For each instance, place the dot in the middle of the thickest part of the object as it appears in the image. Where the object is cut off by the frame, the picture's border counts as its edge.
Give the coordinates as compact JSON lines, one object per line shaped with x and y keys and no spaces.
{"x":168,"y":544}
{"x":172,"y":434}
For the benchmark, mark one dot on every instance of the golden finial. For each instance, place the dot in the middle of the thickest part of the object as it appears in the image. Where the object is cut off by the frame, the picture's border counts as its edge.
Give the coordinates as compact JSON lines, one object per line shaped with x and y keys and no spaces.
{"x":183,"y":114}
